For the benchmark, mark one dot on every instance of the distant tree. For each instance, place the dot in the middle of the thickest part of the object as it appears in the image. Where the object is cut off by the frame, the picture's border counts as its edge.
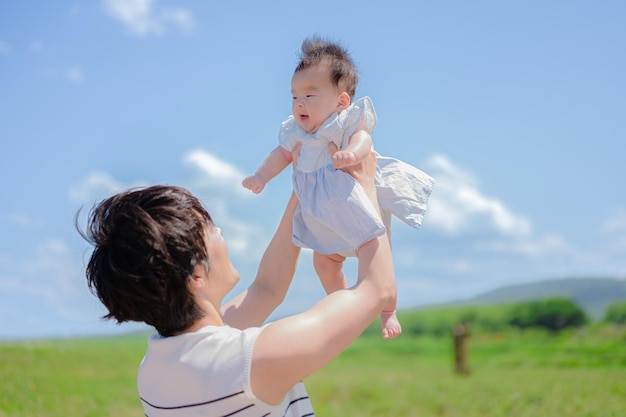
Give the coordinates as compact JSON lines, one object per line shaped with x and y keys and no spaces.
{"x":553,"y":314}
{"x":616,"y":313}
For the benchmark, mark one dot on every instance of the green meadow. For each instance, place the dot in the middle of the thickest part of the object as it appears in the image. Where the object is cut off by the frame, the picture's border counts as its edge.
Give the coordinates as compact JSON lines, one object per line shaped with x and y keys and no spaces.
{"x":525,"y":374}
{"x":574,"y":373}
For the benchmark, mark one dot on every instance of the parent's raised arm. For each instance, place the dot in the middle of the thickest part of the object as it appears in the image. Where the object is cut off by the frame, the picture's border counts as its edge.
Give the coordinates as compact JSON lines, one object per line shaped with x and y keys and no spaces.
{"x":278,"y":265}
{"x":292,"y":348}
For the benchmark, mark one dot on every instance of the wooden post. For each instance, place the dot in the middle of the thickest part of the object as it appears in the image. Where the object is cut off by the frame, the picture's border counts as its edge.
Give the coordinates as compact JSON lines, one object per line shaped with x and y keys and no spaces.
{"x":460,"y":333}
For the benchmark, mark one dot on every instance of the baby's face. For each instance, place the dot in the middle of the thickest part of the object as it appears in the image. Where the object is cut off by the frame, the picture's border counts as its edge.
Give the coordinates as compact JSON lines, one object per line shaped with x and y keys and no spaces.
{"x":315,"y":97}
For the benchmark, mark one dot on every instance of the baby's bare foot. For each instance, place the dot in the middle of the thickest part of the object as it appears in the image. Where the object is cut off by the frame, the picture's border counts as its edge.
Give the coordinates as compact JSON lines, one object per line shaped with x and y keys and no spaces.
{"x":391,"y":325}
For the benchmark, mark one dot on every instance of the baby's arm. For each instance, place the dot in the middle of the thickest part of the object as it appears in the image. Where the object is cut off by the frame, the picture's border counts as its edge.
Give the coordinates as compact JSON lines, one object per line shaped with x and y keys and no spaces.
{"x":359,"y":146}
{"x":273,"y":165}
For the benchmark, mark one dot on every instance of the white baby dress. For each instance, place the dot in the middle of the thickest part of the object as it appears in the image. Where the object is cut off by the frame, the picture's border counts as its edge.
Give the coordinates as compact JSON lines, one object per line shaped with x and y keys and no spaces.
{"x":334,"y":214}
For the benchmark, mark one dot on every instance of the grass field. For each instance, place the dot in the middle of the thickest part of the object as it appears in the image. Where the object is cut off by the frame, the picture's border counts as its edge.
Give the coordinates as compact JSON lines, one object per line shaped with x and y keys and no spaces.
{"x":82,"y":377}
{"x":580,"y":373}
{"x":522,"y":375}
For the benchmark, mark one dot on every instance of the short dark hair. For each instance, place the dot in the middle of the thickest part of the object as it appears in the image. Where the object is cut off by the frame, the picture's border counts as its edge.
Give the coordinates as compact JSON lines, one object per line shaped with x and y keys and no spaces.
{"x":343,"y":73}
{"x":147,"y":242}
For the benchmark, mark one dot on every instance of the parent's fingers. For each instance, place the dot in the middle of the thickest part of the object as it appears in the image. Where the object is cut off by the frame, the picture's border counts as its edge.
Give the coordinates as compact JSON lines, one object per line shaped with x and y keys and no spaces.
{"x":295,"y":153}
{"x":364,"y":171}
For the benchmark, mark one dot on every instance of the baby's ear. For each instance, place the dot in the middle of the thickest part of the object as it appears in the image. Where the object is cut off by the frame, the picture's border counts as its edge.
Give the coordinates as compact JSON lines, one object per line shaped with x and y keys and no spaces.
{"x":344,"y":101}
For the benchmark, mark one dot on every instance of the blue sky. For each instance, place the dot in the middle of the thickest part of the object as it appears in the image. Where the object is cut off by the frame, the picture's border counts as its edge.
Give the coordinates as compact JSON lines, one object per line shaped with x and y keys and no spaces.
{"x":516,"y":108}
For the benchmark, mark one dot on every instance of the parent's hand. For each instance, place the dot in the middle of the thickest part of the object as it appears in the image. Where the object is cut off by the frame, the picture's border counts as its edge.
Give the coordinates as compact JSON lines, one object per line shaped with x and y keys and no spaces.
{"x":364,"y":171}
{"x":295,"y":153}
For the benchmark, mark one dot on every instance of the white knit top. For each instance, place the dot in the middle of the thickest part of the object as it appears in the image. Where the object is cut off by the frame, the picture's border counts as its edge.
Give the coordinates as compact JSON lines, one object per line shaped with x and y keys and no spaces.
{"x":207,"y":373}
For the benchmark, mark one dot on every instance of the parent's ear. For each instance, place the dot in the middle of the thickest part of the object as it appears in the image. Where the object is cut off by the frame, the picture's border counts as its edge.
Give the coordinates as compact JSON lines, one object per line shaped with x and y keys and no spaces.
{"x":197,"y":279}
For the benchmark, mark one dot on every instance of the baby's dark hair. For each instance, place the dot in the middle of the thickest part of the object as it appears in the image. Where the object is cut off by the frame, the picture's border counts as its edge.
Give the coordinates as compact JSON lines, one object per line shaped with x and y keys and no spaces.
{"x":343,"y":73}
{"x":147,"y":243}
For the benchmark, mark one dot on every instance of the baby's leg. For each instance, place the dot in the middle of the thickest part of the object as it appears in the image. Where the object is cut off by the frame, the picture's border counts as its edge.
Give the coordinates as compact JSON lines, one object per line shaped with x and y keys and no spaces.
{"x":328,"y":268}
{"x":389,"y":321}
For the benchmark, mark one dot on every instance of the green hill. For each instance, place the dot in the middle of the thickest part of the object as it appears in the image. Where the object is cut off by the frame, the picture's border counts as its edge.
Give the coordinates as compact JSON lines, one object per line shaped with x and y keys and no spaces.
{"x":593,"y":295}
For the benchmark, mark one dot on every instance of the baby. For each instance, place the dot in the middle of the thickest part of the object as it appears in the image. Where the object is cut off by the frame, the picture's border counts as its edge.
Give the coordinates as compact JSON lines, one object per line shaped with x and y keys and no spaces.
{"x":335,"y":216}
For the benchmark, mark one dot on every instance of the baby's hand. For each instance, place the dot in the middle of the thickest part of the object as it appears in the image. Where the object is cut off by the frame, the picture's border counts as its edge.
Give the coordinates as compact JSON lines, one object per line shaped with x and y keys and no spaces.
{"x":363,"y":171}
{"x":342,"y":159}
{"x":254,"y":183}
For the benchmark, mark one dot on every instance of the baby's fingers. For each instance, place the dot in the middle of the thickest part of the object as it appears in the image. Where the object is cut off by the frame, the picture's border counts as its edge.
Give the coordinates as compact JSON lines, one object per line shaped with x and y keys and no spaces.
{"x":332,"y":148}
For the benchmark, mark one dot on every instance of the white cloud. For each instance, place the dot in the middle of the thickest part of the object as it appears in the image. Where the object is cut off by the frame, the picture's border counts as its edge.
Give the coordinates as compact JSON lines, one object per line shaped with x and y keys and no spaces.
{"x":5,"y":47}
{"x":215,"y":170}
{"x":545,"y":246}
{"x":75,"y":75}
{"x":180,"y":17}
{"x":222,"y":181}
{"x":212,"y":174}
{"x":143,"y":19}
{"x":96,"y":186}
{"x":458,"y":206}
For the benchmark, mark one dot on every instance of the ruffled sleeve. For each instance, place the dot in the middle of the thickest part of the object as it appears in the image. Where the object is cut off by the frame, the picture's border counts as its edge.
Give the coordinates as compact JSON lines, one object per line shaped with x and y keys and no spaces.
{"x":360,"y":112}
{"x":288,"y":137}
